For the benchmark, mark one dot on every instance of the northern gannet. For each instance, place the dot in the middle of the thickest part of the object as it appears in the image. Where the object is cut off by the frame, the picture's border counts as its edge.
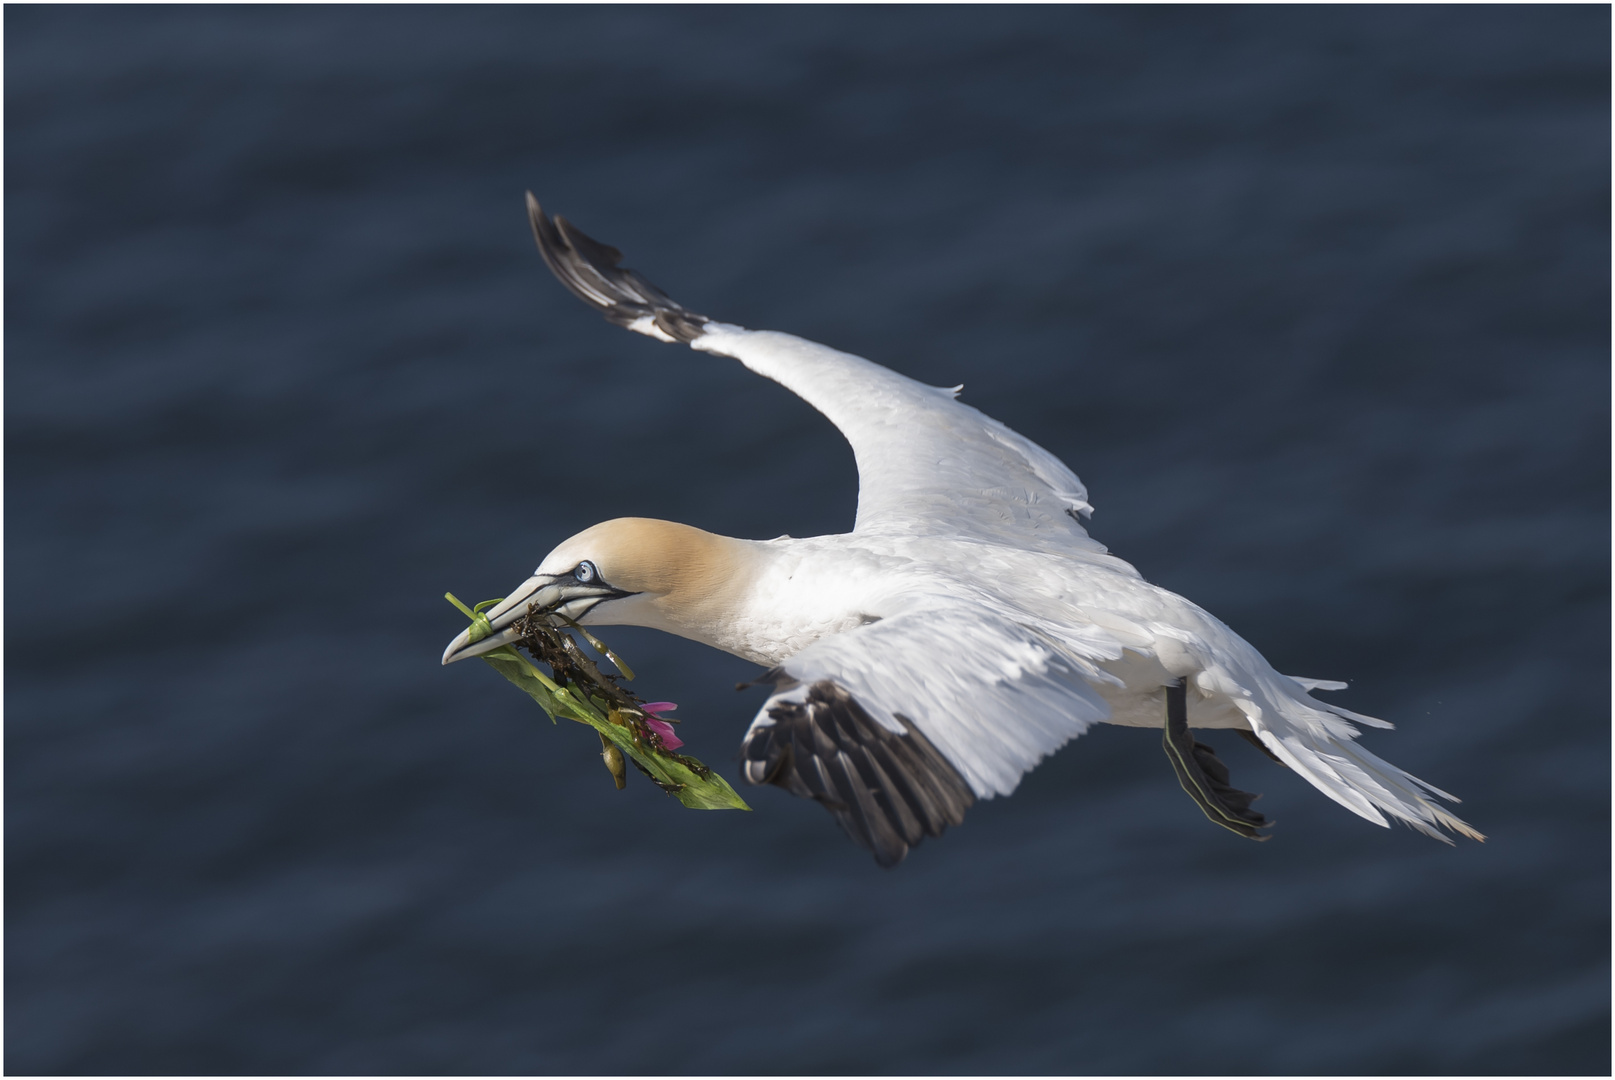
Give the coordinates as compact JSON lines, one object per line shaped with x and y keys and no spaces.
{"x":967,"y":627}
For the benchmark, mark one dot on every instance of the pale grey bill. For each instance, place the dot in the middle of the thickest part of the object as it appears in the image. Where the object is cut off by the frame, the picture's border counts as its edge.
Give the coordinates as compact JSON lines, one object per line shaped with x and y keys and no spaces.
{"x":540,"y":589}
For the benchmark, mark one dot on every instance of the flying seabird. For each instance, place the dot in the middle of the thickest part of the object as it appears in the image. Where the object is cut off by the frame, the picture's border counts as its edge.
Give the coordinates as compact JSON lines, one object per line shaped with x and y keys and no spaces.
{"x":966,"y":627}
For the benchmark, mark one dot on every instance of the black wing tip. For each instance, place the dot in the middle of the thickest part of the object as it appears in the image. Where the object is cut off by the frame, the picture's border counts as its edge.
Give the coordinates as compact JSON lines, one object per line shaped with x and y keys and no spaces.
{"x":887,"y":791}
{"x":590,"y":270}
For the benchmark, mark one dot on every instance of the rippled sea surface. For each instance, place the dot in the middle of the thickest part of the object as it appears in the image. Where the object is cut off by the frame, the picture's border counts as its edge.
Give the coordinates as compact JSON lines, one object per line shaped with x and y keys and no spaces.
{"x":1316,"y":301}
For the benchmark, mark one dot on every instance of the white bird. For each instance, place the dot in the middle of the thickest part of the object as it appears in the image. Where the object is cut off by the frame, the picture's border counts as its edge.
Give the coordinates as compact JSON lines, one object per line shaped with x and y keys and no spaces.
{"x":966,"y":628}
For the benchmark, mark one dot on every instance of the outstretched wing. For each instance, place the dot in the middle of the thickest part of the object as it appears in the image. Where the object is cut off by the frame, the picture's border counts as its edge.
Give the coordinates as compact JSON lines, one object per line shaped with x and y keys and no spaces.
{"x":899,"y":726}
{"x":927,"y":464}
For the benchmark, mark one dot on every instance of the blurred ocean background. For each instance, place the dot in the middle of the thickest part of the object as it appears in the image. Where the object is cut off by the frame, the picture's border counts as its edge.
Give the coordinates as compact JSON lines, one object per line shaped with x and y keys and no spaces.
{"x":1316,"y":301}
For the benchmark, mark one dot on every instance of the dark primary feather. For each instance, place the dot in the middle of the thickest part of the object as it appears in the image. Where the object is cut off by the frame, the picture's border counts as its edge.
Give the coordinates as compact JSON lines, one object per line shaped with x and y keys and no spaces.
{"x":888,"y":791}
{"x":589,"y":269}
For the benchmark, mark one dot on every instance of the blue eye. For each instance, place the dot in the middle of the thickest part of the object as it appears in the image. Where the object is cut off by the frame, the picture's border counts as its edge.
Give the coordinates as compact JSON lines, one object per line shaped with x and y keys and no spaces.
{"x":586,"y":572}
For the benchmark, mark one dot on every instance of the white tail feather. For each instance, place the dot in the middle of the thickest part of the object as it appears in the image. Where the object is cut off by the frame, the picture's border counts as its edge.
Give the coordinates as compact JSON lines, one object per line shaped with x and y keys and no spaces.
{"x":1322,"y":750}
{"x":1319,"y":684}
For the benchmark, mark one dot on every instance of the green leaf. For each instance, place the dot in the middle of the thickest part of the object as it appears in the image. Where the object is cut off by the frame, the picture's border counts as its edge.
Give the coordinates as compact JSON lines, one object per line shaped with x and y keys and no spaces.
{"x":683,"y":777}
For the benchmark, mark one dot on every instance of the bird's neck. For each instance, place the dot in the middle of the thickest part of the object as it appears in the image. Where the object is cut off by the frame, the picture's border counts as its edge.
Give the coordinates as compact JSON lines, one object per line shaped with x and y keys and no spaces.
{"x":700,"y":589}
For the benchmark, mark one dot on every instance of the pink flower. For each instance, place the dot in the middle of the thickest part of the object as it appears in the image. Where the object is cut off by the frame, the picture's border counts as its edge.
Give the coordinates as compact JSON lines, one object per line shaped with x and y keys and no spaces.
{"x":663,"y":729}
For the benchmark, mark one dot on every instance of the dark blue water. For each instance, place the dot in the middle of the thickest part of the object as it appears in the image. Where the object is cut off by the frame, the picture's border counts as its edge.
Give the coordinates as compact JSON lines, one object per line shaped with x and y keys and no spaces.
{"x":1316,"y":301}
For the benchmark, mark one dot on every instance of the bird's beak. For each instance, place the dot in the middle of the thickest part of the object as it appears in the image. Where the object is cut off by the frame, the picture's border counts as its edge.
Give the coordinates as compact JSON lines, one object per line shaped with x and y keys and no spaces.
{"x":542,"y":592}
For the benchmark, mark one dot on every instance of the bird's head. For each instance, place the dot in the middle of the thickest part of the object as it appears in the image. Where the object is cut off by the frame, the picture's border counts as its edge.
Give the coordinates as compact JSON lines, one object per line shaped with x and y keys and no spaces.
{"x":624,"y":572}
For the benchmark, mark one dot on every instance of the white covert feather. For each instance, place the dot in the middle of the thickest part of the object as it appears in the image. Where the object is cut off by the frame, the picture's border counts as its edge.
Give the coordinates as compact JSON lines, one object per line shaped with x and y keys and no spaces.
{"x":928,"y":465}
{"x":993,"y":697}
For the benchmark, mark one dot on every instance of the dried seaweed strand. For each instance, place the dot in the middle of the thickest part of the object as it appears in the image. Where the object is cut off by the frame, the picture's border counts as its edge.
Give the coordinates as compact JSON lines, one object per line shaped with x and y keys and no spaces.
{"x":572,"y":668}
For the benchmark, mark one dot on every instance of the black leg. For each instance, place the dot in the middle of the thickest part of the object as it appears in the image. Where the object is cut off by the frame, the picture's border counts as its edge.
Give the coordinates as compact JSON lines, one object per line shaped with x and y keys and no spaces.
{"x":1202,"y":775}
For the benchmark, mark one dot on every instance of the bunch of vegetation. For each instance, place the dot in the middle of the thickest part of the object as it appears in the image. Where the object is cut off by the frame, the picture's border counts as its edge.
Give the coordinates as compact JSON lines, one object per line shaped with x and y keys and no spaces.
{"x":630,"y":729}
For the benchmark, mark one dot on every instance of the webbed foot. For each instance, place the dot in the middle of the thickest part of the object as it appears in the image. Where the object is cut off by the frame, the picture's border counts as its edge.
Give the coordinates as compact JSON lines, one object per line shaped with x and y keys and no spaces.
{"x":1203,"y":776}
